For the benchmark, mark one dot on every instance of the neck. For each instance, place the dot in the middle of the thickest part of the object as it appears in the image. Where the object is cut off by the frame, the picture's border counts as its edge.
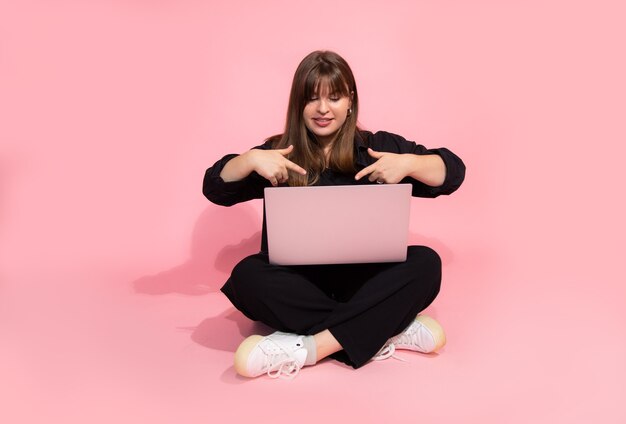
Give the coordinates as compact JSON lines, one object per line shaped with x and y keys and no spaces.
{"x":326,"y":143}
{"x":327,"y":148}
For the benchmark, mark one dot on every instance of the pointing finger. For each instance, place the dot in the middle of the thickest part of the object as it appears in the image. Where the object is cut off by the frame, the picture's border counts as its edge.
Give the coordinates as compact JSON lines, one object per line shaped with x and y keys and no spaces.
{"x":295,"y":167}
{"x":363,"y":172}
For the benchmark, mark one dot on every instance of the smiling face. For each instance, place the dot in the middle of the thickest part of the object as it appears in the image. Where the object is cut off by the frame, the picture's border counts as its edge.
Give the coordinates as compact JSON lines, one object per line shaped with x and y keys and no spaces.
{"x":318,"y":123}
{"x":325,"y":113}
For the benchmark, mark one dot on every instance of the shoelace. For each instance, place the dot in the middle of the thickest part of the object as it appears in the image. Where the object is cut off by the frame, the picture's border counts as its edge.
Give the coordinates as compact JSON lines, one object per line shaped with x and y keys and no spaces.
{"x":286,"y":368}
{"x":404,"y":338}
{"x":387,"y":352}
{"x":407,"y":337}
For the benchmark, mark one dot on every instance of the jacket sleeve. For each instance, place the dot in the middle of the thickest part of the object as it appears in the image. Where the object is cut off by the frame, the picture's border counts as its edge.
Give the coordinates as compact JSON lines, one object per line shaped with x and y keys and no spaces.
{"x":224,"y":193}
{"x":455,"y":168}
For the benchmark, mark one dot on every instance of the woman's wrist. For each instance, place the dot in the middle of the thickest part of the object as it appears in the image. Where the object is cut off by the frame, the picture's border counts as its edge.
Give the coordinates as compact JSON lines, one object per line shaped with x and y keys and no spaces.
{"x":238,"y":167}
{"x":429,"y":169}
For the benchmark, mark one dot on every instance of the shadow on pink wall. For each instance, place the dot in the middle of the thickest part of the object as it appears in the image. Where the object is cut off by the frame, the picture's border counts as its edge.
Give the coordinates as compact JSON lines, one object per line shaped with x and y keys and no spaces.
{"x":221,"y":238}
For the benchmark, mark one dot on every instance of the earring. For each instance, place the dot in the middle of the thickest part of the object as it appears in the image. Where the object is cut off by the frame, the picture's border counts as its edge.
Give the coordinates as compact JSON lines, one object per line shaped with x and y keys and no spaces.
{"x":349,"y":111}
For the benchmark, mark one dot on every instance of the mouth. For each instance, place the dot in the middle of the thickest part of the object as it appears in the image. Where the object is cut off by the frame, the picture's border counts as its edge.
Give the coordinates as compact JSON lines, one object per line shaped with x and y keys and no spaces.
{"x":322,"y":122}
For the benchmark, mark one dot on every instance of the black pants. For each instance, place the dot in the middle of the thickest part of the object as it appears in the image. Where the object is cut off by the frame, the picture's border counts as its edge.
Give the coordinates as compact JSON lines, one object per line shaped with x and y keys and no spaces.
{"x":362,"y":305}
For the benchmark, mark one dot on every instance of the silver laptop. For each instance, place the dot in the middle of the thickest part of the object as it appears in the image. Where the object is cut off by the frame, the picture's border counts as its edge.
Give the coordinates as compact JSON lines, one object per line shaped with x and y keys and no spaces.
{"x":337,"y":224}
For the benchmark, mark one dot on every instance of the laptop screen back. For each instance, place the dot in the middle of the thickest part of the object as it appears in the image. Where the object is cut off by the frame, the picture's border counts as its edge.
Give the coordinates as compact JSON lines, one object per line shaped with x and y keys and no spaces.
{"x":337,"y":224}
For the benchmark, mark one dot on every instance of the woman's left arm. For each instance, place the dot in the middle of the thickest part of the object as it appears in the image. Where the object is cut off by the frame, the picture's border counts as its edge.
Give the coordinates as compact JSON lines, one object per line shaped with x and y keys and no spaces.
{"x":432,"y":172}
{"x":391,"y":168}
{"x":429,"y":169}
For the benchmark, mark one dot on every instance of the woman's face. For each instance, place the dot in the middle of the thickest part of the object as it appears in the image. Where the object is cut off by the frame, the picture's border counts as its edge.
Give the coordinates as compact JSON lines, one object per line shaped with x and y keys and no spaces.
{"x":325,"y":113}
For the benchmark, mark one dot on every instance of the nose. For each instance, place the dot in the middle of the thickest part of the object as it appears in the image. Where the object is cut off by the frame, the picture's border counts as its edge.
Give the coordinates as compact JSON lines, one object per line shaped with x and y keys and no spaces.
{"x":322,"y":106}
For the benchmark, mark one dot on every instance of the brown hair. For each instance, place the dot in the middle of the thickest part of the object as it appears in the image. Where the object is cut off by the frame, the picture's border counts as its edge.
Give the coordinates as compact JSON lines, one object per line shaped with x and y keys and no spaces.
{"x":317,"y":69}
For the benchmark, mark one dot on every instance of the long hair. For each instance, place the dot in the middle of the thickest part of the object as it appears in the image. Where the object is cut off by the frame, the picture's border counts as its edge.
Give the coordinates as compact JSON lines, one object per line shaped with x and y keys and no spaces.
{"x":317,"y":69}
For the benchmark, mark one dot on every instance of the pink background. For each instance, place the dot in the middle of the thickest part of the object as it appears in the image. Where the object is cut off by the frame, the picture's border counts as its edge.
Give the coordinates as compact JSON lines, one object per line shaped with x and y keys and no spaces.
{"x":111,"y":258}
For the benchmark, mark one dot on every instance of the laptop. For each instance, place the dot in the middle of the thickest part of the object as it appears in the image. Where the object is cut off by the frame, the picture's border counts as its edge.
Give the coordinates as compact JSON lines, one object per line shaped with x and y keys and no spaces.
{"x":337,"y":224}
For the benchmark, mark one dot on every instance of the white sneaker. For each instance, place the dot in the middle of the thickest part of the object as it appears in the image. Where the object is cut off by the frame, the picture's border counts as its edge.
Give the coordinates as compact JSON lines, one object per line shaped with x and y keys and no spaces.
{"x":424,"y":335}
{"x":277,"y":355}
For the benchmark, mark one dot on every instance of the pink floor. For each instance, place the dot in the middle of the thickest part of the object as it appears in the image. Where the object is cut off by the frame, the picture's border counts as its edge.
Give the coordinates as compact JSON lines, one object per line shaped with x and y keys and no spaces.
{"x":83,"y":343}
{"x":111,"y":260}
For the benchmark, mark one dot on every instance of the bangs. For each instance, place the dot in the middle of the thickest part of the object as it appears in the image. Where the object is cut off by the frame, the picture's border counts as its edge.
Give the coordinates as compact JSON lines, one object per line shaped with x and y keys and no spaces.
{"x":325,"y":77}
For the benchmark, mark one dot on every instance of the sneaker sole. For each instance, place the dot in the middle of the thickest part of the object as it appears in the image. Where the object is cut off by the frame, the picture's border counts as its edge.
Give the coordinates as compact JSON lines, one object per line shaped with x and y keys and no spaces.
{"x":242,"y":354}
{"x":435,"y":328}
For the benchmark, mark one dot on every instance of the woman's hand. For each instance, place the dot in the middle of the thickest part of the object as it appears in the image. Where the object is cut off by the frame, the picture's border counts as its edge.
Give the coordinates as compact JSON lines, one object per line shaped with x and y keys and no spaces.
{"x":273,"y":165}
{"x":391,"y":168}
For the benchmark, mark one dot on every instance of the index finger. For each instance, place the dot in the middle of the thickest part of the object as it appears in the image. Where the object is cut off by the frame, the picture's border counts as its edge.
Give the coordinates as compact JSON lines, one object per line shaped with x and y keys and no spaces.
{"x":289,"y":164}
{"x":365,"y":171}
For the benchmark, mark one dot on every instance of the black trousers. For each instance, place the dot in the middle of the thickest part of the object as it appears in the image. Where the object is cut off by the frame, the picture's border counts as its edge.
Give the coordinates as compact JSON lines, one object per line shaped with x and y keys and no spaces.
{"x":362,"y":305}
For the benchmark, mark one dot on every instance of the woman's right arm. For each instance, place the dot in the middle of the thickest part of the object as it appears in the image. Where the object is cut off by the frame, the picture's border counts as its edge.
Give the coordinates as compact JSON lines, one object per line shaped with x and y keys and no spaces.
{"x":238,"y":178}
{"x":237,"y":168}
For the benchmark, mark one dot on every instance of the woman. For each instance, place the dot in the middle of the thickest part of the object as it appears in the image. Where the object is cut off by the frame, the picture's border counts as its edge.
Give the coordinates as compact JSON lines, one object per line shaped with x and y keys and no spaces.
{"x":353,"y":313}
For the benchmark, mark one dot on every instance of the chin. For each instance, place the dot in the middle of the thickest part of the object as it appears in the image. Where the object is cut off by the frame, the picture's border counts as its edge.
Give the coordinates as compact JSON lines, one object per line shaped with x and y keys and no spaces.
{"x":327,"y":133}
